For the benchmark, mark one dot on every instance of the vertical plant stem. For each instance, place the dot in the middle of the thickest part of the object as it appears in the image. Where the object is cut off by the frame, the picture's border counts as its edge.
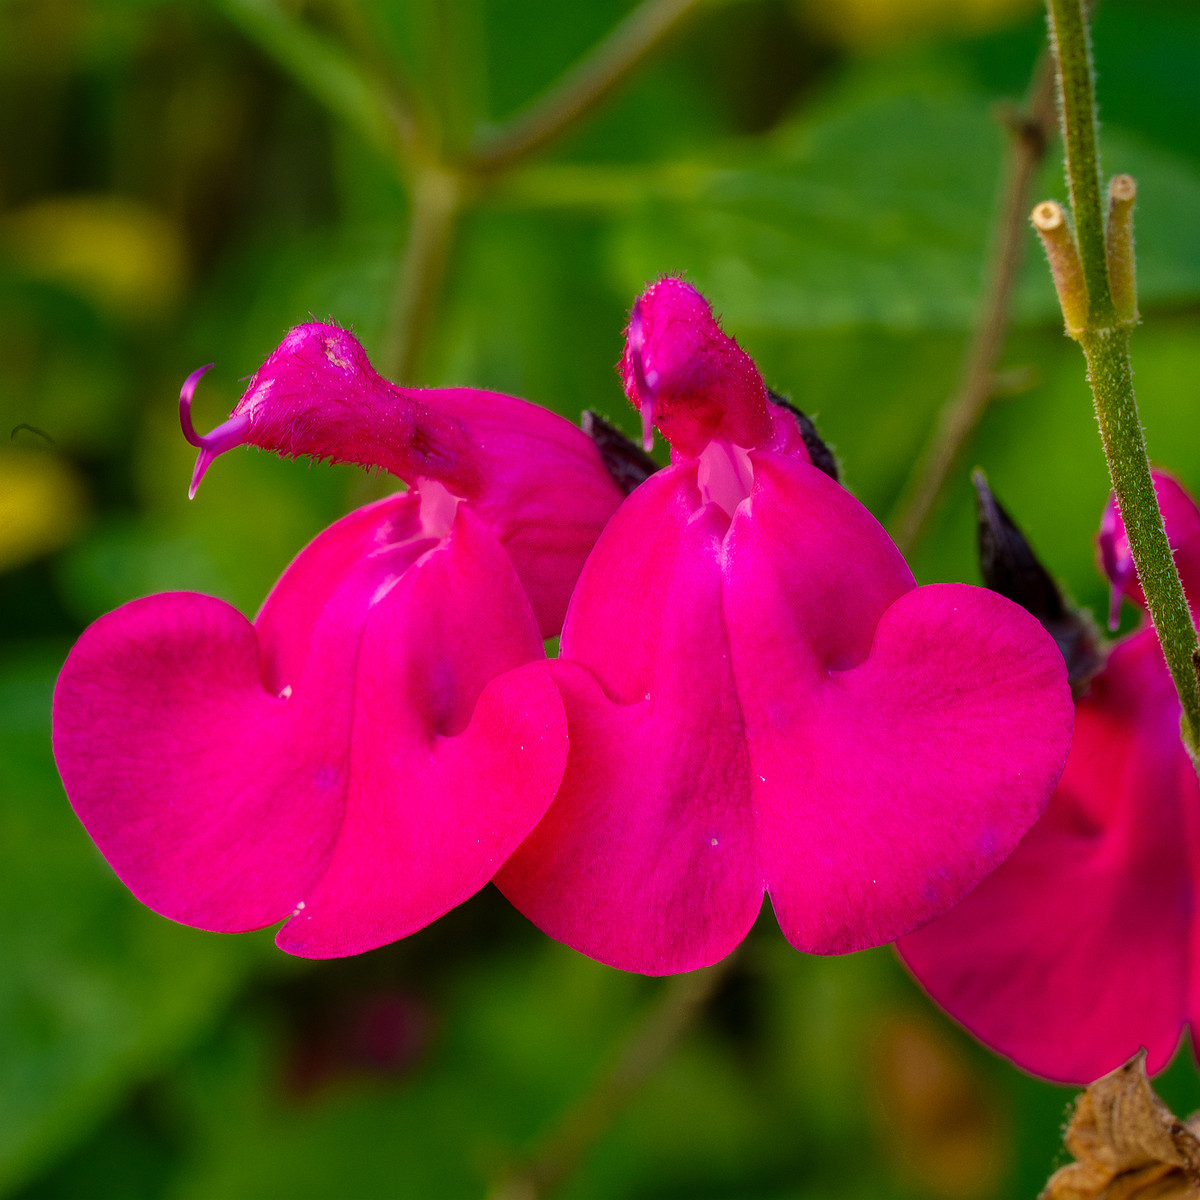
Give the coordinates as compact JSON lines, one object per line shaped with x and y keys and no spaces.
{"x":437,"y":196}
{"x":1111,"y":377}
{"x":438,"y":186}
{"x":1077,"y":110}
{"x":679,"y":1003}
{"x":1105,"y":342}
{"x":962,"y":413}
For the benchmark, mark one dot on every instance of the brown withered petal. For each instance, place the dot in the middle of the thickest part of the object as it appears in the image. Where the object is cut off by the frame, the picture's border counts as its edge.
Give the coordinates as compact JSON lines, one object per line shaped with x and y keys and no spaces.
{"x":1127,"y":1144}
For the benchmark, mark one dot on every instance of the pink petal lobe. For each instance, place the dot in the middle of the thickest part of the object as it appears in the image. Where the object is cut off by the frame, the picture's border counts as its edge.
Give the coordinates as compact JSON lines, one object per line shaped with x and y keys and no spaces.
{"x":1181,"y":518}
{"x":456,"y":754}
{"x":208,"y":758}
{"x":809,"y":569}
{"x":544,"y":492}
{"x":1075,"y":952}
{"x":647,"y":858}
{"x":902,"y":740}
{"x":213,"y":804}
{"x":372,"y":546}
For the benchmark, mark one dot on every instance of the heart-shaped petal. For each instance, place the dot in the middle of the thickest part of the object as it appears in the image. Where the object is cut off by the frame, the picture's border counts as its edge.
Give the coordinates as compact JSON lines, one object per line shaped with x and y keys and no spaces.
{"x":213,"y":762}
{"x":215,"y":800}
{"x":899,"y":750}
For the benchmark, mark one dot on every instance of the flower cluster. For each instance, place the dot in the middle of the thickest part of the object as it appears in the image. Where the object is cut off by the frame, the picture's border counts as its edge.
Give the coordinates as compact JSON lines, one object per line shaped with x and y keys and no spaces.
{"x":1078,"y":950}
{"x":752,"y":696}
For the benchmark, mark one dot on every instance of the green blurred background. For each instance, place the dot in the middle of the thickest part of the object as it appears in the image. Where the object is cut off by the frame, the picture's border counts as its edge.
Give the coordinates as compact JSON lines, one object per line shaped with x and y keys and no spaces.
{"x":182,"y":181}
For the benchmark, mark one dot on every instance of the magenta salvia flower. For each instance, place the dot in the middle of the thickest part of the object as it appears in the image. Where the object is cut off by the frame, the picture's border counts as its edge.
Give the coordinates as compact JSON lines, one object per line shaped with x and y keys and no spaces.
{"x":534,"y":479}
{"x":364,"y":755}
{"x":760,"y":699}
{"x":1079,"y":950}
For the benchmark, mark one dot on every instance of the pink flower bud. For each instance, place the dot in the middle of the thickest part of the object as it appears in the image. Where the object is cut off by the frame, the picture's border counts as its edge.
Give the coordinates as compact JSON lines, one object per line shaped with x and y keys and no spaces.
{"x":536,"y":481}
{"x":687,"y":377}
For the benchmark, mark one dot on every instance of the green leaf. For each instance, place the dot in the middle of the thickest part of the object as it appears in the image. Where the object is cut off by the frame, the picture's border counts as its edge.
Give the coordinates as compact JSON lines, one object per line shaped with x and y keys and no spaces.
{"x":876,"y":213}
{"x":518,"y":1037}
{"x":96,"y":992}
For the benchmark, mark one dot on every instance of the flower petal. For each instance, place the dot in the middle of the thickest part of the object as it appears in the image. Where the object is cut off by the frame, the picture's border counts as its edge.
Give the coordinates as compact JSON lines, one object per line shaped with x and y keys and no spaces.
{"x":455,"y":755}
{"x":647,"y":858}
{"x":545,"y":492}
{"x":373,"y":545}
{"x":1075,"y":952}
{"x":895,"y":762}
{"x":809,"y":569}
{"x":1181,"y":517}
{"x":214,"y":800}
{"x":208,"y":758}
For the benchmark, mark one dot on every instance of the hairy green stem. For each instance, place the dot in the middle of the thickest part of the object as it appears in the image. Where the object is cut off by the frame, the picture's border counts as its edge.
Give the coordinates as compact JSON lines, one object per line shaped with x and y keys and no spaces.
{"x":1105,"y":342}
{"x":1077,"y":109}
{"x":1111,"y":377}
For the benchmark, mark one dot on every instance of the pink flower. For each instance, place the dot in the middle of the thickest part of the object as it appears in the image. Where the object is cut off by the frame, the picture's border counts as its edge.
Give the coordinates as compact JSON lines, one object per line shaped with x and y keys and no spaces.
{"x":535,"y":480}
{"x":760,"y":699}
{"x":1076,"y":952}
{"x":364,"y":755}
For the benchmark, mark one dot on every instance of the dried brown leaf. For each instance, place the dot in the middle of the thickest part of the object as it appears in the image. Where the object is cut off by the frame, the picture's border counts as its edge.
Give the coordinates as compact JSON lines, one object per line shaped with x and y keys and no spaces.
{"x":1127,"y":1144}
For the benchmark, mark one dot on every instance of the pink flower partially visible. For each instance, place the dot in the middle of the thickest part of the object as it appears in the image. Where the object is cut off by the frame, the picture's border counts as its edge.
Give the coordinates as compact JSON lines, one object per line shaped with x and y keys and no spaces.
{"x":1080,"y":949}
{"x":364,"y":755}
{"x":760,"y":699}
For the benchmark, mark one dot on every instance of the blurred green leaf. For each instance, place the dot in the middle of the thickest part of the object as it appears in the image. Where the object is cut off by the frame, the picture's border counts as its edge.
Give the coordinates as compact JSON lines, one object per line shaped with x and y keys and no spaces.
{"x":320,"y":65}
{"x":42,"y":504}
{"x":63,"y":371}
{"x":532,"y":44}
{"x":95,"y":990}
{"x":877,"y":212}
{"x":520,"y":1035}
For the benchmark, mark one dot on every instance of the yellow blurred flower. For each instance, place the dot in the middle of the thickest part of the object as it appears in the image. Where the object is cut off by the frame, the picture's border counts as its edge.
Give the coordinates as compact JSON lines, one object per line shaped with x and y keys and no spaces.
{"x":939,"y":1123}
{"x":867,"y":24}
{"x":42,"y":505}
{"x":121,"y":254}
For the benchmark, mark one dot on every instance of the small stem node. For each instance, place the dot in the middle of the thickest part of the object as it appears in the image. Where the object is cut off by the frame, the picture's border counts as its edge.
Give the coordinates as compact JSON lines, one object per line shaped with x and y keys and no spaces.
{"x":1052,"y":227}
{"x":1122,"y":264}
